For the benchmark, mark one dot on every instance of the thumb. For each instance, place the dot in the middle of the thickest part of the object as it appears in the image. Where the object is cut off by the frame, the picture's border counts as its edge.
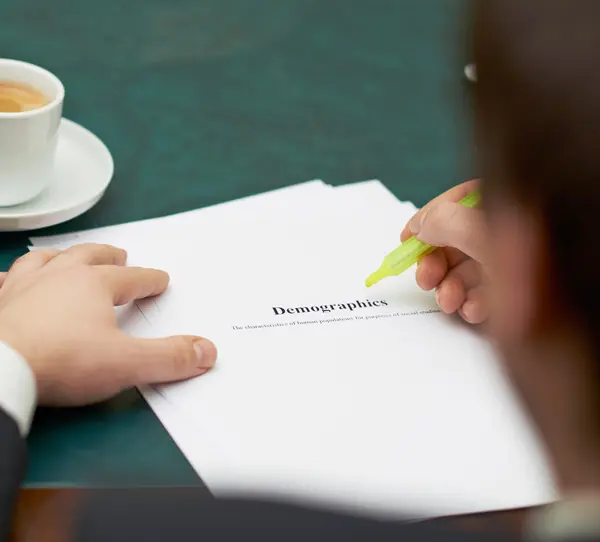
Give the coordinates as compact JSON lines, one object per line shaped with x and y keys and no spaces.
{"x":451,"y":225}
{"x":155,"y":361}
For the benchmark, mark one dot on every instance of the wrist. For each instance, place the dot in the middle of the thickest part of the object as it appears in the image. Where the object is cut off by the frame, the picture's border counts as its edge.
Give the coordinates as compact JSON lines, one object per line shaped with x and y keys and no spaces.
{"x":12,"y":338}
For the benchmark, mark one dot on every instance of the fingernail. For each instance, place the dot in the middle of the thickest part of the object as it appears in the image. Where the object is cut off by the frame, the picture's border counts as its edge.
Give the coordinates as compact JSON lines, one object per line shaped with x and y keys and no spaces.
{"x":417,"y":222}
{"x":206,"y":353}
{"x":465,"y":313}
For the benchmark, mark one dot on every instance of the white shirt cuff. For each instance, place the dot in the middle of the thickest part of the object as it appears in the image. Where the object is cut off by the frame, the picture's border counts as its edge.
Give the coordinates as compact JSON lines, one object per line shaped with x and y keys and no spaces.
{"x":17,"y":388}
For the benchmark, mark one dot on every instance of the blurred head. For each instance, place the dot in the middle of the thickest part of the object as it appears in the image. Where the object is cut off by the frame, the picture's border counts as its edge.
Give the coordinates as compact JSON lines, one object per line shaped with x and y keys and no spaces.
{"x":537,"y":139}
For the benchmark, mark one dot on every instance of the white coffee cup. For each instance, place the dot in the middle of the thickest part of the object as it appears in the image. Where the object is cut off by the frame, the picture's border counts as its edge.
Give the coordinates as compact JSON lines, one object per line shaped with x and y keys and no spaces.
{"x":28,"y":139}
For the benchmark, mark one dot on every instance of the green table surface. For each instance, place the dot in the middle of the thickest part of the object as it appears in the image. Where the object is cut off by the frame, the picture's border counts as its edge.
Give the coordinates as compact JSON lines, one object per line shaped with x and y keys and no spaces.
{"x":202,"y":101}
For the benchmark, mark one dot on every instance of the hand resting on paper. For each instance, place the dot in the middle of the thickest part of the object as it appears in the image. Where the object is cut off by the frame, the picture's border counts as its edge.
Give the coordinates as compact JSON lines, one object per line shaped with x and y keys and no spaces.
{"x":56,"y":310}
{"x":455,"y":271}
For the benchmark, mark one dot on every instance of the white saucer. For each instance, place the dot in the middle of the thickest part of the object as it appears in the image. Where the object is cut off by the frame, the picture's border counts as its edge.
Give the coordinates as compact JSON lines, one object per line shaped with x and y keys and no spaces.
{"x":83,"y":170}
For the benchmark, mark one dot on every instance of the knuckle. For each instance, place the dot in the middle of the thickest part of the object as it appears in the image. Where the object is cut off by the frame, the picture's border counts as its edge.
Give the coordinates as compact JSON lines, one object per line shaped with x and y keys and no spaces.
{"x":34,"y":256}
{"x":20,"y":260}
{"x":109,"y":248}
{"x":84,"y":249}
{"x":95,"y":248}
{"x":112,"y":248}
{"x":80,"y":248}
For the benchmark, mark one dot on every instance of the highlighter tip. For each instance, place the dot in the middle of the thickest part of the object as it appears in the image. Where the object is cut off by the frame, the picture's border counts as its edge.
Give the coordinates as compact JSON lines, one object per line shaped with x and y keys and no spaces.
{"x":372,"y":279}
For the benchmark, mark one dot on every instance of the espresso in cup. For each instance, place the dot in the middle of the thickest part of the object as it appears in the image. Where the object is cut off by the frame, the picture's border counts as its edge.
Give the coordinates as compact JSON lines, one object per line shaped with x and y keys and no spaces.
{"x":17,"y":97}
{"x":31,"y":100}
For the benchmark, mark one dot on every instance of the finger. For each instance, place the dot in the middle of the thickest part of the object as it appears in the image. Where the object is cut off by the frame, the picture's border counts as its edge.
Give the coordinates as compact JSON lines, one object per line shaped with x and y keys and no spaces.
{"x":130,"y":283}
{"x":2,"y":278}
{"x":32,"y":261}
{"x":406,"y":233}
{"x":454,"y":194}
{"x":154,"y":361}
{"x":450,"y":295}
{"x":91,"y":254}
{"x":431,"y":270}
{"x":453,"y":225}
{"x":454,"y":256}
{"x":475,"y":307}
{"x":469,"y":272}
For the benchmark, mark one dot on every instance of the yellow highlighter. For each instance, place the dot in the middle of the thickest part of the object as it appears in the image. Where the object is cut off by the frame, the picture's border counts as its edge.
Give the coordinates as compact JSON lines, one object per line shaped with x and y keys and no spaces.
{"x":410,"y":252}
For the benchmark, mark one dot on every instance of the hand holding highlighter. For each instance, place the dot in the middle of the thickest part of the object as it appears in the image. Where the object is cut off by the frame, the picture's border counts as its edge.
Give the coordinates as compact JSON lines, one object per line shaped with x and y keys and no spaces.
{"x":410,"y":252}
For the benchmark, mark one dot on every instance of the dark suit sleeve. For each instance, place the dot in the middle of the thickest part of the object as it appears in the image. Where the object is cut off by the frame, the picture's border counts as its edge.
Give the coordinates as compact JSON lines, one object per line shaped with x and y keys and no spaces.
{"x":13,"y":457}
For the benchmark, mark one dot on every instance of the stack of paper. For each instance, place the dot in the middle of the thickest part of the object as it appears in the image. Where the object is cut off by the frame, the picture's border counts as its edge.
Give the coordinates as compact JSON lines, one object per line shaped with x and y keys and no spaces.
{"x":367,"y":399}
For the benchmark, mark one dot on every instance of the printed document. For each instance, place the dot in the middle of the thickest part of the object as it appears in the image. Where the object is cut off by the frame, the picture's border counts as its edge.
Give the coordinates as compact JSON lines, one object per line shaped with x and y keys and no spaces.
{"x":364,"y":399}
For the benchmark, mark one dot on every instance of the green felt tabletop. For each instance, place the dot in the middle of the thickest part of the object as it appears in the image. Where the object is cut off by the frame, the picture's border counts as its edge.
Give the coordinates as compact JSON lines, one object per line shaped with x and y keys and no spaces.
{"x":202,"y":101}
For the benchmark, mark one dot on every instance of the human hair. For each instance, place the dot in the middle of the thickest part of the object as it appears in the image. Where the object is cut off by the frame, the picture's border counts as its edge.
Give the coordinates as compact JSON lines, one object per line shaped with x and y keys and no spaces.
{"x":536,"y":107}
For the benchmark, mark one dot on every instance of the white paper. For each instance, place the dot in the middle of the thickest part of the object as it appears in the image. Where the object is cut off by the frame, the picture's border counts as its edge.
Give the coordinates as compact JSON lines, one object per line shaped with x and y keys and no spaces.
{"x":281,"y":200}
{"x":386,"y":409}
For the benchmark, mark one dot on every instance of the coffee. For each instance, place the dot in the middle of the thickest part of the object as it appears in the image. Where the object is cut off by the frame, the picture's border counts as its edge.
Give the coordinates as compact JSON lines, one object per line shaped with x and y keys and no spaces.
{"x":18,"y":97}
